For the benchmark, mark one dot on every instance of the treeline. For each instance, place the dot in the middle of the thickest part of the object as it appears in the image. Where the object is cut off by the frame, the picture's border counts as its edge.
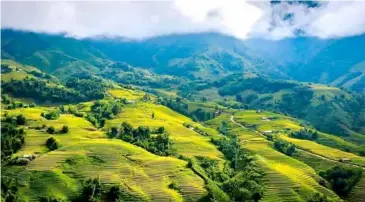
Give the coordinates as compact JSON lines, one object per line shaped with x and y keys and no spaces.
{"x":13,"y":104}
{"x":76,"y":90}
{"x":41,"y":91}
{"x":144,"y":137}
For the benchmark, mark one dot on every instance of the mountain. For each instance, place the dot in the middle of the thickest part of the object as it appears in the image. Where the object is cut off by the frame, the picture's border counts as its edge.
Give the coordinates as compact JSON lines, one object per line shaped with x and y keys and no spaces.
{"x":175,"y":118}
{"x":190,"y":63}
{"x":337,"y":62}
{"x":197,"y":56}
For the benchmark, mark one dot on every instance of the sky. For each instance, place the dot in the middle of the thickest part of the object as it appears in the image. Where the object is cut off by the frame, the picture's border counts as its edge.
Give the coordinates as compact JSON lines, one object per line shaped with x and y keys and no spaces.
{"x":142,"y":19}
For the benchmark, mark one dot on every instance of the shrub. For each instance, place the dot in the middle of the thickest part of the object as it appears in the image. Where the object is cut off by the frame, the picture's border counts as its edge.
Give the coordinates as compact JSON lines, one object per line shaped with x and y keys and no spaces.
{"x":20,"y":161}
{"x":121,"y":193}
{"x":20,"y":120}
{"x":52,"y":115}
{"x":173,"y":185}
{"x":52,"y":143}
{"x":91,"y":190}
{"x":160,"y":130}
{"x":114,"y":193}
{"x":50,"y":199}
{"x":64,"y":129}
{"x":51,"y":130}
{"x":317,"y":197}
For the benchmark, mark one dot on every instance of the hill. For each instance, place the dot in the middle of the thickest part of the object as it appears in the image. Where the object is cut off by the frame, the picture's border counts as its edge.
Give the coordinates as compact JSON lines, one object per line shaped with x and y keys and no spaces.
{"x":207,"y":55}
{"x":173,"y":118}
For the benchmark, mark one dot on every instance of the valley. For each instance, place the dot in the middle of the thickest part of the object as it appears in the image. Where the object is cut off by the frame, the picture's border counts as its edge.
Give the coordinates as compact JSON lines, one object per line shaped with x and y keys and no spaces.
{"x":183,"y":118}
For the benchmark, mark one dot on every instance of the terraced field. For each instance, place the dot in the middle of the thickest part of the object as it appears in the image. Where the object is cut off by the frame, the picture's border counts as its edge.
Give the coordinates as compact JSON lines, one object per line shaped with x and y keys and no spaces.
{"x":86,"y":153}
{"x":126,"y":93}
{"x":286,"y":179}
{"x":282,"y":126}
{"x":186,"y":141}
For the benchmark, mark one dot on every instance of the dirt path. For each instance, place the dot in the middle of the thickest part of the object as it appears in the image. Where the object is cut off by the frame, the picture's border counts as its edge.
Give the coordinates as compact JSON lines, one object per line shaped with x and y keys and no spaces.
{"x":302,"y":150}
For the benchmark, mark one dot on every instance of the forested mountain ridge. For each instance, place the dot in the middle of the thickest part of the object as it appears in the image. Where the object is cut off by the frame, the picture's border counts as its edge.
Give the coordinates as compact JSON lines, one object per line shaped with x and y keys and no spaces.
{"x":207,"y":56}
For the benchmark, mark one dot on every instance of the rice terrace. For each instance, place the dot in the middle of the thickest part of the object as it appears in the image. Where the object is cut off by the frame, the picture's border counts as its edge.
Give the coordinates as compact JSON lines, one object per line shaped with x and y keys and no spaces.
{"x":187,"y":101}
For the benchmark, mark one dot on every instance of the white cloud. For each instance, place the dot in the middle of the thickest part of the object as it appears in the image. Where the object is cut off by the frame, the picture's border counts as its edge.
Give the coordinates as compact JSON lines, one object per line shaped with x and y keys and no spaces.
{"x":238,"y":18}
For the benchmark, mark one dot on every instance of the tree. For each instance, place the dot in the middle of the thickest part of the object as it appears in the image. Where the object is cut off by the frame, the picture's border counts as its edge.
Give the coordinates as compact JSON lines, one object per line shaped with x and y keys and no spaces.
{"x":92,"y":190}
{"x":160,"y":130}
{"x":113,"y":132}
{"x":51,"y":130}
{"x":223,"y":128}
{"x":52,"y":143}
{"x":64,"y":129}
{"x":20,"y":120}
{"x":114,"y":193}
{"x":142,"y":132}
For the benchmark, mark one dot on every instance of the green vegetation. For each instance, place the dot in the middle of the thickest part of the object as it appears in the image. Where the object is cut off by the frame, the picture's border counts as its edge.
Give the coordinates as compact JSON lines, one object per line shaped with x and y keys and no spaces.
{"x":284,"y":147}
{"x":305,"y":133}
{"x":52,"y":143}
{"x":141,"y":136}
{"x":241,"y":180}
{"x":52,"y":115}
{"x":103,"y":110}
{"x":41,"y":91}
{"x":182,"y":106}
{"x":122,"y":133}
{"x":342,"y":179}
{"x":12,"y":139}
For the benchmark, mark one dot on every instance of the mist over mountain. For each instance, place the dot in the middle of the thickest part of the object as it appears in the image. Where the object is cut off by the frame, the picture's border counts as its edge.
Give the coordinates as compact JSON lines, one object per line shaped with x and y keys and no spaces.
{"x":183,"y":101}
{"x":207,"y":55}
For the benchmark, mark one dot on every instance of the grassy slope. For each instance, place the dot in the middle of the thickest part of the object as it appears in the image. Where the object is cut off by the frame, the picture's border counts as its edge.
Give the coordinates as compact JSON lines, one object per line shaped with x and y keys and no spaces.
{"x":87,"y":153}
{"x":286,"y":179}
{"x":325,"y":146}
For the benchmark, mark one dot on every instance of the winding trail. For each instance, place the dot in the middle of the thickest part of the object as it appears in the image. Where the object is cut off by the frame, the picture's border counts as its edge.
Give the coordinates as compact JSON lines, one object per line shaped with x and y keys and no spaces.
{"x":302,"y":150}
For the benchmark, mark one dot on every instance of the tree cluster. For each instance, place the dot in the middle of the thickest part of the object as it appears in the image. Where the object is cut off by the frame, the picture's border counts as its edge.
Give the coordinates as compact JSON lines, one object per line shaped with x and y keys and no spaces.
{"x":93,"y":190}
{"x":240,"y":180}
{"x":102,"y":111}
{"x":342,"y":179}
{"x":159,"y":144}
{"x":41,"y":91}
{"x":12,"y":138}
{"x":180,"y":106}
{"x":51,"y":115}
{"x":284,"y":147}
{"x":305,"y":133}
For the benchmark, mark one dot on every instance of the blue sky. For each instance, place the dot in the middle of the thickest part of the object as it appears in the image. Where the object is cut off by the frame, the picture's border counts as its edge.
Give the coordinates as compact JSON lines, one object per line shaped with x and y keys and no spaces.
{"x":238,"y":18}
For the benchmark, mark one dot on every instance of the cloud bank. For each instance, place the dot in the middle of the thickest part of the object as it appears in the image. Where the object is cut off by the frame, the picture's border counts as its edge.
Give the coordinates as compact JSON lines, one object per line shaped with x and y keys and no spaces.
{"x":238,"y":18}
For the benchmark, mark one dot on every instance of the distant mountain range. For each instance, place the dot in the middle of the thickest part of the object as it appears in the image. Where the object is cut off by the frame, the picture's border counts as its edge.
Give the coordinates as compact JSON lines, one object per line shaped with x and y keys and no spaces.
{"x":339,"y":62}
